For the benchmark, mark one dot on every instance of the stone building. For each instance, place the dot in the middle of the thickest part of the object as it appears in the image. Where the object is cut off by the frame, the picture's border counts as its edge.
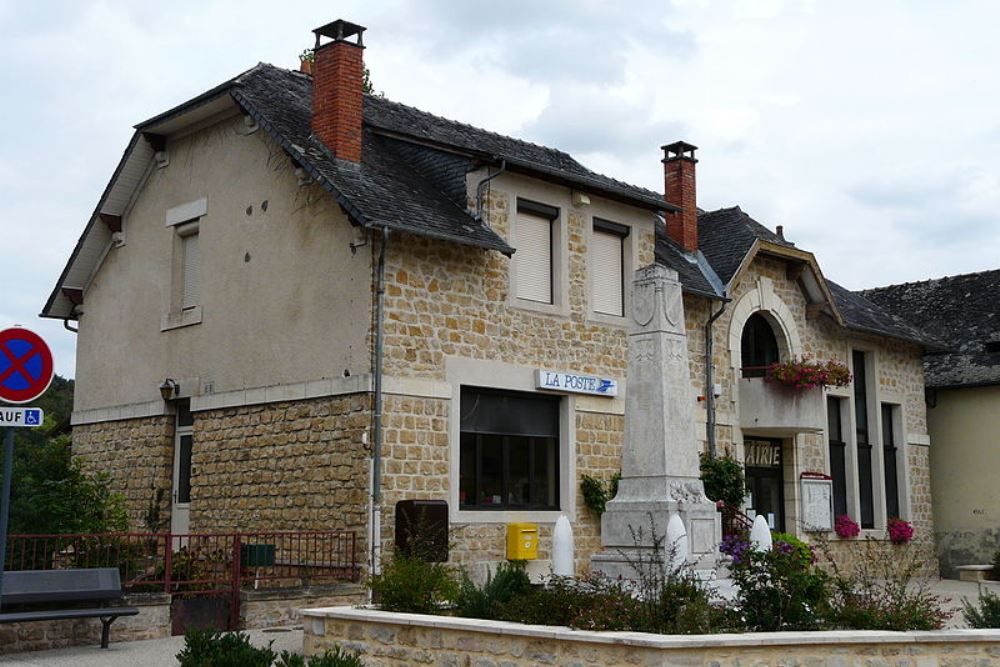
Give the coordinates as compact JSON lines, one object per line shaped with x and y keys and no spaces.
{"x":963,"y":416}
{"x":283,"y":258}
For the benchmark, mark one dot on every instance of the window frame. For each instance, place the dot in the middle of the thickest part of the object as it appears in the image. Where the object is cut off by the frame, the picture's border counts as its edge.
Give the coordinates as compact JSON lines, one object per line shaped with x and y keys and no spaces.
{"x":183,"y":222}
{"x":624,"y":234}
{"x":558,"y":274}
{"x":505,"y":474}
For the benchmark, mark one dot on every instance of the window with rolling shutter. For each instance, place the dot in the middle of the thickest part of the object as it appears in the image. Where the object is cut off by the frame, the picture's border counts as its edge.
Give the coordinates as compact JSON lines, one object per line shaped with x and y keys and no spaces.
{"x":608,"y":269}
{"x":534,"y":257}
{"x":189,"y":266}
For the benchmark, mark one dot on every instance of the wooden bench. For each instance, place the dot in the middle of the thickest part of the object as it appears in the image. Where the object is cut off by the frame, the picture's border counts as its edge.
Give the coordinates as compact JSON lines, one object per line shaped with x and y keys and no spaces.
{"x":64,"y":594}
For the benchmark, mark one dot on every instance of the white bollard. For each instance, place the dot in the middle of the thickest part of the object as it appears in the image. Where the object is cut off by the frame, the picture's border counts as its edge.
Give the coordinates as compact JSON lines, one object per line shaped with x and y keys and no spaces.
{"x":562,"y":548}
{"x":760,"y":534}
{"x":677,"y":540}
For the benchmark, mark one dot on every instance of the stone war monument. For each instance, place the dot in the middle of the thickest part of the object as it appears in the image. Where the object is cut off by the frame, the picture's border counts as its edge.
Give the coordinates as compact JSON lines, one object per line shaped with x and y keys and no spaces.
{"x":660,"y":476}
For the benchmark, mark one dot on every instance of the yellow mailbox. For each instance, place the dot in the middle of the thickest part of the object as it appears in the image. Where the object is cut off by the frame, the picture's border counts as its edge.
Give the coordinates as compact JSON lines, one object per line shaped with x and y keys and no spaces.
{"x":522,"y":541}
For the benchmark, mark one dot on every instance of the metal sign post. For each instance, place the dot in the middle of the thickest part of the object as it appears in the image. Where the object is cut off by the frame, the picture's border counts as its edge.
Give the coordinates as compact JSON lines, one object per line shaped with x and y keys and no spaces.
{"x":26,"y":371}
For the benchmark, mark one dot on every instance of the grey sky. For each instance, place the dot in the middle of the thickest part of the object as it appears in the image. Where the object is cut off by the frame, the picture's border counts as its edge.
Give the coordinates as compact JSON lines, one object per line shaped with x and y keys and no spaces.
{"x":869,"y":130}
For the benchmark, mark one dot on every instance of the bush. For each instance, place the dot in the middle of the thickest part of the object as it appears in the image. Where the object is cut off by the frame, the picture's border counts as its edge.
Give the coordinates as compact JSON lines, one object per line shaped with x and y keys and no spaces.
{"x":335,"y":657}
{"x":780,"y":589}
{"x":411,"y":584}
{"x":508,"y":582}
{"x":884,"y":591}
{"x":597,"y":493}
{"x":723,"y":480}
{"x":222,"y":649}
{"x":986,"y":612}
{"x":788,"y":543}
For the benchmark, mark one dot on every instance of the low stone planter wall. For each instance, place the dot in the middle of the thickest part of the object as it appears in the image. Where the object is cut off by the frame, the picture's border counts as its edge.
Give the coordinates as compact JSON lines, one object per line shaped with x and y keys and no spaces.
{"x":274,"y":608}
{"x":386,"y":639}
{"x":152,"y":622}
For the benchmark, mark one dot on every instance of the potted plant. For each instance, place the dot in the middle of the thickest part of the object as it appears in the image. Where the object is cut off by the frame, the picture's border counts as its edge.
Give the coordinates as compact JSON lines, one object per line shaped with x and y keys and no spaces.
{"x":900,"y":532}
{"x":803,"y":374}
{"x":846,"y":527}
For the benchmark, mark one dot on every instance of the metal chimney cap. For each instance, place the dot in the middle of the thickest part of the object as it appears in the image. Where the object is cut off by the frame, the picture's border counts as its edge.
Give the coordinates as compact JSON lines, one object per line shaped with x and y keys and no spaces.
{"x":339,"y":31}
{"x":678,"y":150}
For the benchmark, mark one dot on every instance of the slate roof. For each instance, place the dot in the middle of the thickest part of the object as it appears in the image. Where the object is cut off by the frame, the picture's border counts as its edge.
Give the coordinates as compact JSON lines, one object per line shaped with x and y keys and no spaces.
{"x":383,"y":190}
{"x":725,"y":237}
{"x":962,"y":311}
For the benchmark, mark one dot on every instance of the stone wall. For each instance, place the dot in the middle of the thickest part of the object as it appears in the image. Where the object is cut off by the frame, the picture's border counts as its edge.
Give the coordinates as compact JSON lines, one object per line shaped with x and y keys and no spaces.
{"x":278,"y":608}
{"x":137,"y":455}
{"x":296,"y":465}
{"x":386,"y":639}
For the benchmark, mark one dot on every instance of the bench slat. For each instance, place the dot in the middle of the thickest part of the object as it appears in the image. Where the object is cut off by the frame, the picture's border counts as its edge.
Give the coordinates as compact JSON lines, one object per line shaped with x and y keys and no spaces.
{"x":61,"y":614}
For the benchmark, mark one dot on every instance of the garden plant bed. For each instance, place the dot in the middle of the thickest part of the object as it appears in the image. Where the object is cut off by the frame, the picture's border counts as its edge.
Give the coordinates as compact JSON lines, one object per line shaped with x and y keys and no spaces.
{"x":390,"y":638}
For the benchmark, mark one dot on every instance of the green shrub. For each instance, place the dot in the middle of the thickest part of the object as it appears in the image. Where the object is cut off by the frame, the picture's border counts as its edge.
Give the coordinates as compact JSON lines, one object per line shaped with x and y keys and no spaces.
{"x":779,"y":590}
{"x":985,"y":613}
{"x":509,"y":581}
{"x":410,"y":584}
{"x":883,"y":591}
{"x":723,"y":480}
{"x":597,"y":493}
{"x":222,"y":649}
{"x":335,"y":657}
{"x":804,"y":552}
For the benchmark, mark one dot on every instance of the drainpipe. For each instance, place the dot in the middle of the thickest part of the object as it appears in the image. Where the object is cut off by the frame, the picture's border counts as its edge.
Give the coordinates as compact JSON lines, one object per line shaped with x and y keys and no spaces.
{"x":481,"y":187}
{"x":375,"y":547}
{"x":68,"y":326}
{"x":709,"y":388}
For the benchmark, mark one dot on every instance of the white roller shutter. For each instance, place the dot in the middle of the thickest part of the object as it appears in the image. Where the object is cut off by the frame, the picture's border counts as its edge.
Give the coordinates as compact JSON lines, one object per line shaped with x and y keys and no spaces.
{"x":533,"y":259}
{"x":190,"y":269}
{"x":606,"y":273}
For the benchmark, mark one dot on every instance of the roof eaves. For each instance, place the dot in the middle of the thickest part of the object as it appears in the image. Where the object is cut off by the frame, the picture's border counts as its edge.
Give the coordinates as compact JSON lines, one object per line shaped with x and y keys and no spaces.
{"x":94,"y":218}
{"x":195,"y":102}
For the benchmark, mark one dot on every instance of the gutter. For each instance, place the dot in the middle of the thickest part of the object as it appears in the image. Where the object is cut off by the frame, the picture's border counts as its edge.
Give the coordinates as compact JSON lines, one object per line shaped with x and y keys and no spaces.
{"x":375,"y":548}
{"x":709,"y":384}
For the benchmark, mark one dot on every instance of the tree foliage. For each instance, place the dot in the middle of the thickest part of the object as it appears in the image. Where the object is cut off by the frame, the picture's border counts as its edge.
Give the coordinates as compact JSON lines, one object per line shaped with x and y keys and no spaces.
{"x":50,"y":492}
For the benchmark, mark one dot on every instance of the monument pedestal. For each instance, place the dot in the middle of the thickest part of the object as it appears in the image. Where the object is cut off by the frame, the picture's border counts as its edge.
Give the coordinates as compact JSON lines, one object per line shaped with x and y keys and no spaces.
{"x":660,"y":471}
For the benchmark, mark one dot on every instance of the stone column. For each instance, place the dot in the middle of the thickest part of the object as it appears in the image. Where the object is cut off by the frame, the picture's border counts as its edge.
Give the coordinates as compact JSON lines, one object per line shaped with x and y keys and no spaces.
{"x":660,"y":475}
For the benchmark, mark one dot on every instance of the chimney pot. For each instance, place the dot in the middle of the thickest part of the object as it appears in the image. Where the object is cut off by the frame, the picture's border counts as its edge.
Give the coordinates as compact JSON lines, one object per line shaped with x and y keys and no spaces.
{"x":338,"y":81}
{"x":679,"y":189}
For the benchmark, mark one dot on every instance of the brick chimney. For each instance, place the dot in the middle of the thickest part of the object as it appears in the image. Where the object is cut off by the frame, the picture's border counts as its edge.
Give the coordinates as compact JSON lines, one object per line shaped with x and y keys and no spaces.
{"x":338,"y":73}
{"x":679,"y":190}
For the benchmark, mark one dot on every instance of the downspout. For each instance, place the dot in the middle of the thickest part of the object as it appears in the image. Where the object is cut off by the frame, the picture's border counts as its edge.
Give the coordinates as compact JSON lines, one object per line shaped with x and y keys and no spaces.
{"x":375,"y":547}
{"x":481,"y":186}
{"x":709,"y":385}
{"x":68,"y":326}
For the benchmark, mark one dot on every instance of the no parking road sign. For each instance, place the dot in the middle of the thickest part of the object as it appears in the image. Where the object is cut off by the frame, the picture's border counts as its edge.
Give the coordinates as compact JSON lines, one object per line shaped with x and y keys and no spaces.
{"x":25,"y":366}
{"x":25,"y":374}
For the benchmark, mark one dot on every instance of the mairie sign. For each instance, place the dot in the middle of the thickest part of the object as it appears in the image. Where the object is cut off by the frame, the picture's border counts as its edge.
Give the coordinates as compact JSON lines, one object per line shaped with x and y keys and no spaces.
{"x":575,"y":383}
{"x":21,"y":417}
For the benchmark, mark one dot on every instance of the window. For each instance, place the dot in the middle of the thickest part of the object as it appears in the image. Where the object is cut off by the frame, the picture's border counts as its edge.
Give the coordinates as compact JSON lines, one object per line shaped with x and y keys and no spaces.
{"x":534,"y":260}
{"x":759,"y":346}
{"x":865,"y":477}
{"x":608,"y":267}
{"x":509,"y":450}
{"x":188,"y":235}
{"x":838,"y":454}
{"x":889,"y":459}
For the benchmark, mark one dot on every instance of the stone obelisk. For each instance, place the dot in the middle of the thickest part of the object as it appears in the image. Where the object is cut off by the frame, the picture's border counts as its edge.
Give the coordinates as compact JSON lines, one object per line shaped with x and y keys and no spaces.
{"x":660,"y":476}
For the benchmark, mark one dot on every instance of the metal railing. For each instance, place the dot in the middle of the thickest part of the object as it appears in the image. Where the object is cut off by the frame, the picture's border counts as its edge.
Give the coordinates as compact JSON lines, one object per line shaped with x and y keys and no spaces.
{"x":197,"y":563}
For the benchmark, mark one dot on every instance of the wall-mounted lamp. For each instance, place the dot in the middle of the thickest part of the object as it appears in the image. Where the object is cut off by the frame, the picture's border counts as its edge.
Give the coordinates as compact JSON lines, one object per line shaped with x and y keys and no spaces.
{"x":169,"y":389}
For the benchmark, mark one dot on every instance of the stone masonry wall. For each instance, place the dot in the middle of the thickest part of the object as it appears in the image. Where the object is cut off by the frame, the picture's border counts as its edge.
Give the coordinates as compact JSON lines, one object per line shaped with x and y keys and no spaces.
{"x":137,"y":455}
{"x":296,"y":465}
{"x":384,"y":640}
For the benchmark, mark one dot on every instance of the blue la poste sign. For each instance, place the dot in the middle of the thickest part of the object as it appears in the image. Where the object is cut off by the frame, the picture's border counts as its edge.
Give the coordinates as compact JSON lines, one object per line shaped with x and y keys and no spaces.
{"x":575,"y":383}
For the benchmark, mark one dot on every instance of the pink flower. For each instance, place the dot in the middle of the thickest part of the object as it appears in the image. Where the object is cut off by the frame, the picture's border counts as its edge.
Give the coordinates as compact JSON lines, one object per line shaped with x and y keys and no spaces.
{"x":900,"y":532}
{"x":846,"y":527}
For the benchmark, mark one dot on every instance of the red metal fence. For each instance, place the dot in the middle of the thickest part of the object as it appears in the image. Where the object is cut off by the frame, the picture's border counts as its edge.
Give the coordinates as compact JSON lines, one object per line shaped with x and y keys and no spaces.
{"x":197,"y":564}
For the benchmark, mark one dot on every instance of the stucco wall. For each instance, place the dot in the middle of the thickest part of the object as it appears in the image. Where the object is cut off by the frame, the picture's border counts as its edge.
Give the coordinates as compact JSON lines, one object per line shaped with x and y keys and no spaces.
{"x":283,"y":299}
{"x":965,"y":461}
